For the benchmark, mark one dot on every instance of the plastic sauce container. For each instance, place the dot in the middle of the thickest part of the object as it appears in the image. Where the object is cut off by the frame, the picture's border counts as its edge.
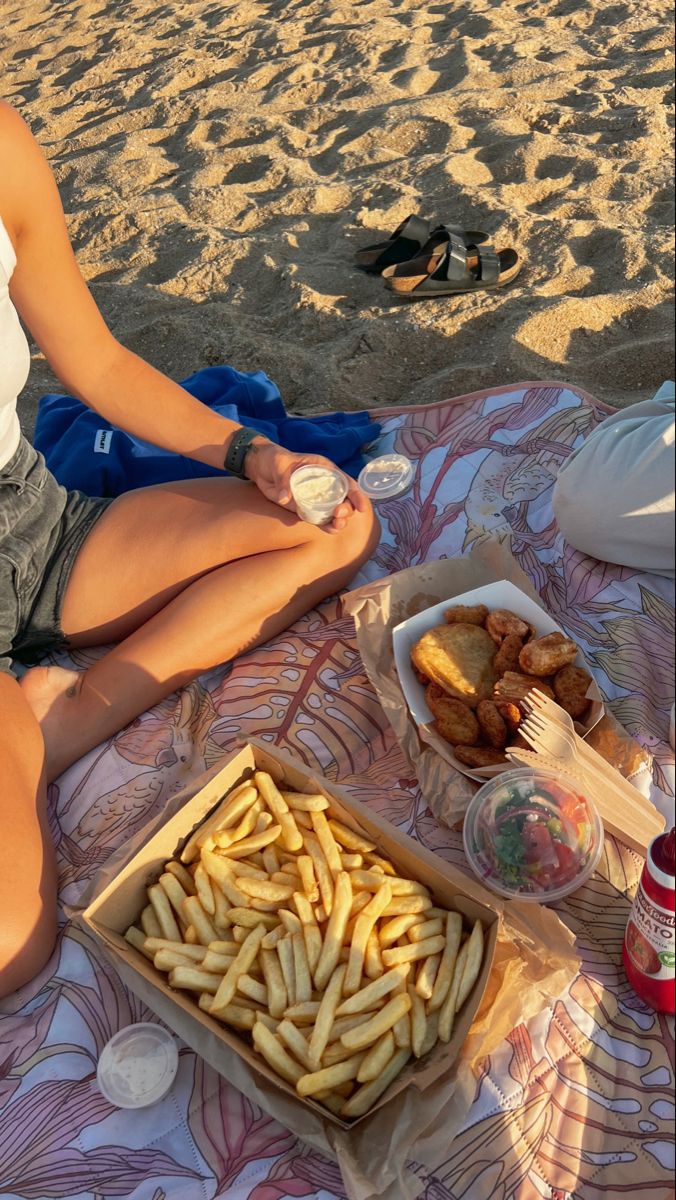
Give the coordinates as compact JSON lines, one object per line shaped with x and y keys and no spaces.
{"x":137,"y":1066}
{"x":385,"y":477}
{"x":317,"y":492}
{"x":531,"y":835}
{"x":649,"y":951}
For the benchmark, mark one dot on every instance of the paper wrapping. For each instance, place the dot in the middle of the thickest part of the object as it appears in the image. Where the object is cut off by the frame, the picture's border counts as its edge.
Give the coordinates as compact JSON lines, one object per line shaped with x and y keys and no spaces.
{"x":378,"y":607}
{"x":534,"y":964}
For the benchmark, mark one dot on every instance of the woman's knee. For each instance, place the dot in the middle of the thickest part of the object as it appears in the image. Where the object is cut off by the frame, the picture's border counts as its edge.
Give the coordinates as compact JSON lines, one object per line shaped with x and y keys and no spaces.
{"x":355,"y":543}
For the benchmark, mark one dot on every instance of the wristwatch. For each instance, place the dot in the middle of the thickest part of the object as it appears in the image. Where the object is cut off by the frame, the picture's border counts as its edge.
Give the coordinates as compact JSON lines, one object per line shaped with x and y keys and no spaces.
{"x":238,"y":449}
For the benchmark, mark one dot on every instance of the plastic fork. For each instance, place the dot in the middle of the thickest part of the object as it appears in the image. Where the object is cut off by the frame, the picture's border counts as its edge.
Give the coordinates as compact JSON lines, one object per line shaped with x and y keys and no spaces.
{"x":623,"y":809}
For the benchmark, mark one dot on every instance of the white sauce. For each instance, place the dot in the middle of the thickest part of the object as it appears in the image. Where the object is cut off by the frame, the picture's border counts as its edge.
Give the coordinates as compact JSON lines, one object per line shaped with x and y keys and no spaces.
{"x":318,"y":488}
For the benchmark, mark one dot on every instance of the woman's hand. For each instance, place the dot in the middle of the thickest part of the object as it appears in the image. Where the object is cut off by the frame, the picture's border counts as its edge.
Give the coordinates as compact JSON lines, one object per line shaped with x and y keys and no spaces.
{"x":270,"y":467}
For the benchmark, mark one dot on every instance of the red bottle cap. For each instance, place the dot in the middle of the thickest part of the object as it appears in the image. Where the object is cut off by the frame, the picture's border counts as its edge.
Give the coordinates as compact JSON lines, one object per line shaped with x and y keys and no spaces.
{"x":664,"y":853}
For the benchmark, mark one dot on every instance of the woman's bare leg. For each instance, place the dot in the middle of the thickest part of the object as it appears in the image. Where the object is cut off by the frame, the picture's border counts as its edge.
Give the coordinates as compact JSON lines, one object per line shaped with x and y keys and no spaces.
{"x":27,"y":860}
{"x":183,"y":577}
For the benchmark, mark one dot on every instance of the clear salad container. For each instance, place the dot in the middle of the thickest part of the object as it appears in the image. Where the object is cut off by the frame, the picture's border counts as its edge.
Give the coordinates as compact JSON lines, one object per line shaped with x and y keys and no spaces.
{"x":138,"y":1065}
{"x":532,"y":835}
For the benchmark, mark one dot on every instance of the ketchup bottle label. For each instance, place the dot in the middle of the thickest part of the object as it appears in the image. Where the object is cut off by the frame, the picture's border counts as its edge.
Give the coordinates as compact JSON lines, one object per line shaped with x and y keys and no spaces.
{"x":650,"y":938}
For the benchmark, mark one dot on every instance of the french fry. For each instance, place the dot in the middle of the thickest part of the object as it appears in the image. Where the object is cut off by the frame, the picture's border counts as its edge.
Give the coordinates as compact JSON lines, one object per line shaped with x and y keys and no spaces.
{"x":376,"y":861}
{"x":320,"y":914}
{"x":303,"y":1014}
{"x":290,"y":835}
{"x":264,"y":889}
{"x":351,"y":862}
{"x":137,"y":938}
{"x":305,"y":803}
{"x":447,"y":965}
{"x":256,"y":842}
{"x":424,"y":984}
{"x":324,"y":877}
{"x":373,"y":993}
{"x":450,"y":1004}
{"x":196,"y":916}
{"x":302,"y":819}
{"x":221,"y":919}
{"x":377,"y":1058}
{"x":274,"y":981}
{"x":149,"y":922}
{"x":253,"y":989}
{"x":286,"y":962}
{"x":196,"y":953}
{"x":365,"y":1097}
{"x":167,"y":922}
{"x":245,"y":957}
{"x":397,"y":927}
{"x":327,"y":842}
{"x":183,"y":875}
{"x":426,"y":929}
{"x":218,"y":963}
{"x":240,"y":933}
{"x":359,"y":902}
{"x":190,"y":936}
{"x":301,"y":969}
{"x":241,"y":868}
{"x":329,"y":1077}
{"x":399,"y":905}
{"x":223,"y":947}
{"x":402,"y":1031}
{"x":418,"y":1018}
{"x":370,"y":881}
{"x":270,"y":1022}
{"x":414,"y":951}
{"x":373,"y":959}
{"x":271,"y":860}
{"x":175,"y":894}
{"x":307,"y":876}
{"x":285,"y":879}
{"x":219,"y":871}
{"x":264,"y":821}
{"x":205,"y":890}
{"x":311,"y":931}
{"x":295,"y":1041}
{"x":273,"y":937}
{"x":335,"y":931}
{"x":325,"y":1019}
{"x":290,"y":921}
{"x":250,"y":918}
{"x":363,"y":929}
{"x":387,"y":1017}
{"x":237,"y":1015}
{"x":192,"y":979}
{"x":275,"y":1055}
{"x":350,"y":840}
{"x":475,"y":949}
{"x":166,"y":960}
{"x":227,"y":837}
{"x":229,"y":812}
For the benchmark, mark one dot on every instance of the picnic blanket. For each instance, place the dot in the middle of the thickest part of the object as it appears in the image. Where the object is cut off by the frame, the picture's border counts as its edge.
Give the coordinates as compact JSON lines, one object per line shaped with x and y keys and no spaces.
{"x":576,"y":1105}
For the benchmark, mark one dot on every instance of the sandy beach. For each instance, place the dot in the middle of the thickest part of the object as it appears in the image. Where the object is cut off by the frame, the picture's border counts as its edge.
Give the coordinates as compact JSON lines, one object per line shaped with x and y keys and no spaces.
{"x":219,"y":163}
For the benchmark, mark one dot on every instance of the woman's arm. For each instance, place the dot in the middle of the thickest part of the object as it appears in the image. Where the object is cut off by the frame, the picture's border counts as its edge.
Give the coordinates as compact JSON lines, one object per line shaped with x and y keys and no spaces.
{"x":54,"y":301}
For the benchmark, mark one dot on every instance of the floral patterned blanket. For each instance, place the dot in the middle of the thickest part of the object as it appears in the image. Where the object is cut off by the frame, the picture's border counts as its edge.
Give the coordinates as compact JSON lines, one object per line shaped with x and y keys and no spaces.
{"x":577,"y":1105}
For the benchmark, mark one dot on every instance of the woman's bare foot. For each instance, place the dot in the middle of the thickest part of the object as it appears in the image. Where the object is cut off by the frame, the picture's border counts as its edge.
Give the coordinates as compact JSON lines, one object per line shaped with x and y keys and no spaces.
{"x":52,"y":693}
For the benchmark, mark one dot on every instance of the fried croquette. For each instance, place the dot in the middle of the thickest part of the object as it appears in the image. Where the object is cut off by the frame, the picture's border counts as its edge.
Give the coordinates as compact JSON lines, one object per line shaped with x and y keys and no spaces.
{"x":467,"y":614}
{"x":453,"y":719}
{"x":501,"y":622}
{"x":511,"y":715}
{"x":545,"y":655}
{"x":479,"y":756}
{"x":507,"y":654}
{"x":515,"y":687}
{"x":459,"y":658}
{"x":493,"y":727}
{"x":570,"y":688}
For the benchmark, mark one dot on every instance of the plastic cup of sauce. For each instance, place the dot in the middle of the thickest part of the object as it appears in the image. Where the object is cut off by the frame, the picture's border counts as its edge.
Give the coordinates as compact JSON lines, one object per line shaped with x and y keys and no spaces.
{"x":317,"y":492}
{"x":137,"y":1066}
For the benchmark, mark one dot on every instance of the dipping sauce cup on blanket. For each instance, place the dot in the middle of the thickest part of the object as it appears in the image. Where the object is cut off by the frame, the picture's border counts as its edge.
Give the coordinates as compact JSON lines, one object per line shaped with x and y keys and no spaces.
{"x":317,"y":492}
{"x":137,"y":1066}
{"x":531,"y":835}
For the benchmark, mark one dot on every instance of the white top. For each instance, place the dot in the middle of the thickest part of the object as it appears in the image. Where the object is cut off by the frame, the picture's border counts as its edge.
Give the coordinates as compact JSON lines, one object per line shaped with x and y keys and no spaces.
{"x":14,"y":355}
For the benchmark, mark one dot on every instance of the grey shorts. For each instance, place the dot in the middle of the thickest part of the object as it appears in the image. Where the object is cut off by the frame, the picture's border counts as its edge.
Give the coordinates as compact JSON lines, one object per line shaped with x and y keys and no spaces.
{"x":42,"y":527}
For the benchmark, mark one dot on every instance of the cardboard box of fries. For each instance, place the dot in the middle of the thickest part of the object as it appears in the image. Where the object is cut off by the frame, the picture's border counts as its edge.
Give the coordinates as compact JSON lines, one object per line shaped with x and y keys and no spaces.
{"x":293,"y":934}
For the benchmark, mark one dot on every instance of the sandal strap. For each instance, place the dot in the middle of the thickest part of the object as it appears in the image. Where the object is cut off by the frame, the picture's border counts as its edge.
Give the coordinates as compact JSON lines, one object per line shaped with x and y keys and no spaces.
{"x":454,"y":264}
{"x":414,"y":229}
{"x":490,"y":265}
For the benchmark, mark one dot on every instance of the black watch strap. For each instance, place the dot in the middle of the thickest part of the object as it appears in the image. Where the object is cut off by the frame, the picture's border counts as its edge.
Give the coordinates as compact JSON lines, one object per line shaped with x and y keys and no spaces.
{"x":238,"y":450}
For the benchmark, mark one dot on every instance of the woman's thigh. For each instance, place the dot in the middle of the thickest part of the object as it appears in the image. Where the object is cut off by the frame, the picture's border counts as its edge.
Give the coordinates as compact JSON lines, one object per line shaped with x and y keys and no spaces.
{"x":152,"y":543}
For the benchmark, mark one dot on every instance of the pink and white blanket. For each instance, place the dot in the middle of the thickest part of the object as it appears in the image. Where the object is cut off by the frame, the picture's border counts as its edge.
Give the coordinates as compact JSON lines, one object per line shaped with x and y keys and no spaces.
{"x":576,"y":1105}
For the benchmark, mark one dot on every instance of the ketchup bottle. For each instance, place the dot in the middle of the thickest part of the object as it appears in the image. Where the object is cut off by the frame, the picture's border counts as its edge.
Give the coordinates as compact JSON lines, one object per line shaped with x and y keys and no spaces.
{"x":649,"y":946}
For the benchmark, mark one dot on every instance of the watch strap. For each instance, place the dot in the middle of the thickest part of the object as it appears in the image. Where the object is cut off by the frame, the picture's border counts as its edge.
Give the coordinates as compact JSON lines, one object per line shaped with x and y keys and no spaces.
{"x":238,"y":449}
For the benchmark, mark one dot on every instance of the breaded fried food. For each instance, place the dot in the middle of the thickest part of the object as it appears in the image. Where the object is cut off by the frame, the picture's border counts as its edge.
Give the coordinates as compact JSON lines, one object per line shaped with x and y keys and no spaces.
{"x":501,"y":622}
{"x":453,"y":719}
{"x":570,"y":688}
{"x":459,"y":659}
{"x":546,"y":655}
{"x":507,"y":654}
{"x":419,"y":675}
{"x":515,"y":687}
{"x":479,"y":756}
{"x":467,"y":614}
{"x":492,"y":725}
{"x":511,"y":715}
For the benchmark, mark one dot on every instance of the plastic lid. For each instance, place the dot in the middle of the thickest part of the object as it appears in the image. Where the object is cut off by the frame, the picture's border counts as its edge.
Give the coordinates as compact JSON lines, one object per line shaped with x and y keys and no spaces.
{"x":387,"y":476}
{"x":137,"y":1066}
{"x":531,"y":835}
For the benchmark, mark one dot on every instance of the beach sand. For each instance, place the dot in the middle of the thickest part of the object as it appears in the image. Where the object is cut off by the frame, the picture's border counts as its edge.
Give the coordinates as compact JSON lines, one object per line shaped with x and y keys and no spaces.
{"x":220,"y":163}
